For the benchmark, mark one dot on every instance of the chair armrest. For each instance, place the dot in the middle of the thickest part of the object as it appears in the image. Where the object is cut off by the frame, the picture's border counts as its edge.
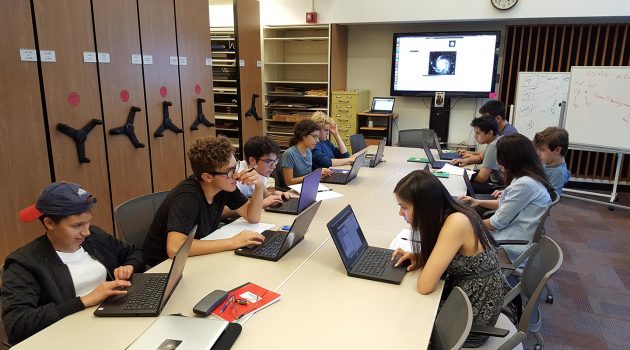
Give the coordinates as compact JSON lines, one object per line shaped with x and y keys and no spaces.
{"x":488,"y":214}
{"x":507,"y":267}
{"x":512,"y":242}
{"x":488,"y":330}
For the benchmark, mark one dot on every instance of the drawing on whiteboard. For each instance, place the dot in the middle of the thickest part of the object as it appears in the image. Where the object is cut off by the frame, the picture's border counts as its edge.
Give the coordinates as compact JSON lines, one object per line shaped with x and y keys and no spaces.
{"x":540,"y":97}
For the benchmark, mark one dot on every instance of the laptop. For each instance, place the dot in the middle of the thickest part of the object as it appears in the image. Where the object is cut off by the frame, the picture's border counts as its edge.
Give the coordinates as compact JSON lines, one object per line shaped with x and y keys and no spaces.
{"x":278,"y":243}
{"x":360,"y":259}
{"x":178,"y":332}
{"x":371,"y":159}
{"x":435,"y":164}
{"x":442,"y":155}
{"x":471,"y":192}
{"x":382,"y":105}
{"x":308,"y":193}
{"x":343,"y":176}
{"x":149,"y":292}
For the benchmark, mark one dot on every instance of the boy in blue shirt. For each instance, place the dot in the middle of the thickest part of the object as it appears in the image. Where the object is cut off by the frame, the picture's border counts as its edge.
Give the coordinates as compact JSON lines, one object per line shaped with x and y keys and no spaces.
{"x":552,"y":145}
{"x":325,"y":154}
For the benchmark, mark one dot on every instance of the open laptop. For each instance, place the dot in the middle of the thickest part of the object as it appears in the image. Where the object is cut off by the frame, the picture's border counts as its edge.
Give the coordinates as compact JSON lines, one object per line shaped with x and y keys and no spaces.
{"x":177,"y":332}
{"x":278,"y":243}
{"x":308,"y":193}
{"x":471,"y":192}
{"x":443,"y":155}
{"x":342,"y":176}
{"x":435,"y":164}
{"x":360,"y":259}
{"x":382,"y":105}
{"x":373,"y":159}
{"x":149,"y":292}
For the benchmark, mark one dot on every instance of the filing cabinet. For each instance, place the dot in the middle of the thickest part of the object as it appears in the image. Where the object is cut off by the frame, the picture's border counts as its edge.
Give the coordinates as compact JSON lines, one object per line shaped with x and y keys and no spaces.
{"x":344,"y":107}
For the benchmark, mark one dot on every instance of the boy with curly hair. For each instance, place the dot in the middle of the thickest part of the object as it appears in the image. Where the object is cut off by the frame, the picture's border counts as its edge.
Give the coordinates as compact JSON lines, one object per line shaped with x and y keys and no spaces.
{"x":200,"y":199}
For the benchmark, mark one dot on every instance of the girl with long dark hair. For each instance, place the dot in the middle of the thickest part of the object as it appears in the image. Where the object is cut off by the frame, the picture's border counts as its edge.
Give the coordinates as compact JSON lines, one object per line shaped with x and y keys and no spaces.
{"x":454,"y":241}
{"x":526,"y":198}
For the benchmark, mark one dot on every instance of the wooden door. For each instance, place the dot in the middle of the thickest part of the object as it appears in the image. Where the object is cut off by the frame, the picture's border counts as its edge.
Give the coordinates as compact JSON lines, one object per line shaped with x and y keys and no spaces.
{"x":161,"y":85}
{"x":72,"y":97}
{"x":24,"y":152}
{"x":247,"y":30}
{"x":195,"y":69}
{"x":122,"y":92}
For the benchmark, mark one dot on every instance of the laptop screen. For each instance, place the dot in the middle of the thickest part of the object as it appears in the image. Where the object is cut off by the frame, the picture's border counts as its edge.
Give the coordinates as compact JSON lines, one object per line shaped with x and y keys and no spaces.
{"x":381,"y":149}
{"x":469,"y":189}
{"x":348,"y":237}
{"x":429,"y":155}
{"x":383,"y":104}
{"x":308,"y":193}
{"x":177,"y":266}
{"x":356,"y":166}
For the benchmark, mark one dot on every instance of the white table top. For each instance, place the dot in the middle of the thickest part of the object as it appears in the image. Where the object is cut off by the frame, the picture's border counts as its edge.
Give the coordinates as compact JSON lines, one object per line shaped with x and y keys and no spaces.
{"x":320,"y":307}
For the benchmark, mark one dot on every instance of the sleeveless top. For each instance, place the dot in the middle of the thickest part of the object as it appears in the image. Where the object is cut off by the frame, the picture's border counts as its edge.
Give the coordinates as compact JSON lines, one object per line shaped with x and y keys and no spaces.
{"x":481,"y":279}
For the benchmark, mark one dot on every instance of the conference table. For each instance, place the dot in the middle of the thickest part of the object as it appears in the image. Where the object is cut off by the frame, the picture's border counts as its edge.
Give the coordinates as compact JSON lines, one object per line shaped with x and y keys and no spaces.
{"x":320,"y":305}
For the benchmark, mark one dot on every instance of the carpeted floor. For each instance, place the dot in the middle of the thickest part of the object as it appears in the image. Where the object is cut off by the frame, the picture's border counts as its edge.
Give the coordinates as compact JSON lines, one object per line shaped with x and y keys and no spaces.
{"x":591,"y":308}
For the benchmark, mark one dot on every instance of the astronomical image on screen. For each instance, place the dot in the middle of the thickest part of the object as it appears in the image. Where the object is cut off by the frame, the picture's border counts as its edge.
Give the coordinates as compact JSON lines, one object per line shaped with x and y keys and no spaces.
{"x":442,"y":62}
{"x":457,"y":63}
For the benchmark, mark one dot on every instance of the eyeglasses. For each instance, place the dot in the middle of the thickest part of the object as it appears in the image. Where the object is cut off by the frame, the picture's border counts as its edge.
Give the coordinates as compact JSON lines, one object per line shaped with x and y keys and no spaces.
{"x":270,"y":162}
{"x":228,"y":173}
{"x":315,"y":136}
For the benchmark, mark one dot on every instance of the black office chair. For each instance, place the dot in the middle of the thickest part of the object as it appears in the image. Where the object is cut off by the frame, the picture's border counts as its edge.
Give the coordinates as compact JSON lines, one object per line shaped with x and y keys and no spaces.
{"x":415,"y":138}
{"x":134,"y":217}
{"x":453,"y":322}
{"x":357,"y":143}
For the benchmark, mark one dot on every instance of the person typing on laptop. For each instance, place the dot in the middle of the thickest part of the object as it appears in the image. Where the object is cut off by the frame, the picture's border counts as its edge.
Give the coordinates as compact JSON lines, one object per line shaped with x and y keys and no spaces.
{"x":200,"y":199}
{"x":450,"y":238}
{"x":325,"y":154}
{"x":72,"y":266}
{"x":297,"y":160}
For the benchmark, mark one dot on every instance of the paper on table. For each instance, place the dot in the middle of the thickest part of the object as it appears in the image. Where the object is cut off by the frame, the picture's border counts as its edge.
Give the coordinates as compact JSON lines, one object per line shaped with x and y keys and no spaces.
{"x":328,"y":195}
{"x":454,"y":170}
{"x":231,"y":230}
{"x":399,"y":242}
{"x":298,"y":187}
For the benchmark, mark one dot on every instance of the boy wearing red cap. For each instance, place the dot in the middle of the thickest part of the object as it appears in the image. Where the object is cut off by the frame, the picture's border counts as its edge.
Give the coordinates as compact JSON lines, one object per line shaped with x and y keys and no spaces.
{"x":71,"y":267}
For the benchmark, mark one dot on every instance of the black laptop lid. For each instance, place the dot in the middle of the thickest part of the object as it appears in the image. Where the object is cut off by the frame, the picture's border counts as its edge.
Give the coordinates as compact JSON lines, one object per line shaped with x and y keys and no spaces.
{"x":300,"y":226}
{"x":381,"y":149}
{"x":382,"y":104}
{"x":177,"y":266}
{"x":427,"y":150}
{"x":469,"y":188}
{"x":437,"y":144}
{"x":308,"y":193}
{"x":348,"y":237}
{"x":356,"y":166}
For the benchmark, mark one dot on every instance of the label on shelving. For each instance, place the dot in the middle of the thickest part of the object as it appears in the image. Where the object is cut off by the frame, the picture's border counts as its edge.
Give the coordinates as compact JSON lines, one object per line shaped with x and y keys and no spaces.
{"x":48,"y":55}
{"x":147,"y":59}
{"x":136,"y":59}
{"x":183,"y":61}
{"x":258,"y":64}
{"x":28,"y":55}
{"x":103,"y":57}
{"x":208,"y":61}
{"x":241,"y":63}
{"x":173,"y":61}
{"x":89,"y":57}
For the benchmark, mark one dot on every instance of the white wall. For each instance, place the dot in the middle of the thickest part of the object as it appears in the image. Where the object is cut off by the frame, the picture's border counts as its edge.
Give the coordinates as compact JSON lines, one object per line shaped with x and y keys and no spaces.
{"x":378,"y":11}
{"x":221,"y":13}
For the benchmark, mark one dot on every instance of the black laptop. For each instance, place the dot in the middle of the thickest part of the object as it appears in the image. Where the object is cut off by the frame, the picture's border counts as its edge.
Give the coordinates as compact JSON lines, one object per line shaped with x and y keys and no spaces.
{"x":342,"y":176}
{"x":278,"y":243}
{"x":443,"y":155}
{"x":372,"y":160}
{"x":435,"y":164}
{"x":471,"y":192}
{"x":360,"y":259}
{"x":149,"y":292}
{"x":382,"y":105}
{"x":308,"y":193}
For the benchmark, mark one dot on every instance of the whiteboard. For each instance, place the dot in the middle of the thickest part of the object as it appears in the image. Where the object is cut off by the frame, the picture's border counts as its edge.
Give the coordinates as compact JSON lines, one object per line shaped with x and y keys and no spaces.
{"x":538,"y":98}
{"x":598,"y":107}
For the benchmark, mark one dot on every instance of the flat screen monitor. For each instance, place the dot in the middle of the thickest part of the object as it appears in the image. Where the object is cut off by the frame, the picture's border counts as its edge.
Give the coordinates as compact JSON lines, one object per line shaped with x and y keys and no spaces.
{"x":458,"y":63}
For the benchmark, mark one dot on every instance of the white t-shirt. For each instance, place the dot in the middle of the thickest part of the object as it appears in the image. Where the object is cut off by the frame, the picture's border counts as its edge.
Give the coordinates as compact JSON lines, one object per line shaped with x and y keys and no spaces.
{"x":248,"y":190}
{"x":86,"y":272}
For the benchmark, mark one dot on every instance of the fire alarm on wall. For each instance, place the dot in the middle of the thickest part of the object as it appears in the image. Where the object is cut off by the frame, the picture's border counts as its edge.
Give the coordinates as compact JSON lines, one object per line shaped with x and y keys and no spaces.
{"x":311,"y":17}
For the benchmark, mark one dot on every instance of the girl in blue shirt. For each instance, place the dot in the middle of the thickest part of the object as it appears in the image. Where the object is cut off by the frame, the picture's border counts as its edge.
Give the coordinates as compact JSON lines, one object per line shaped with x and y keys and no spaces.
{"x":297,"y":160}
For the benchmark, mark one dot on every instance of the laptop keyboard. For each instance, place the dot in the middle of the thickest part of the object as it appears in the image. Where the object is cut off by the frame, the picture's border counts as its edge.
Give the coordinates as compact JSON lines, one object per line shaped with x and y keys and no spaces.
{"x":290,"y":206}
{"x":149,"y":296}
{"x":373,"y":262}
{"x":336,"y":178}
{"x":271,"y":247}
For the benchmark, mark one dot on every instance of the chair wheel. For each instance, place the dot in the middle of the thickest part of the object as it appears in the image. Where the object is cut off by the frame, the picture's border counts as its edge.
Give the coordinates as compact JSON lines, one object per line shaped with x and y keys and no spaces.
{"x":549,"y":298}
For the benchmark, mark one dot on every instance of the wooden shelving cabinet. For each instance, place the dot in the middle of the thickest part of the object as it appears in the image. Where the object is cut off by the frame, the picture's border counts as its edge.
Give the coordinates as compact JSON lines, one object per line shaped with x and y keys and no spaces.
{"x":298,"y":62}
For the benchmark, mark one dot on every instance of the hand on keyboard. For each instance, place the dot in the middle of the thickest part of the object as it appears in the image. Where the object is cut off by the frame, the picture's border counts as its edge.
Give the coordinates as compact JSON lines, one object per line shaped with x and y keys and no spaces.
{"x":273,"y":201}
{"x":246,"y":238}
{"x":406,"y":258}
{"x":105,"y":290}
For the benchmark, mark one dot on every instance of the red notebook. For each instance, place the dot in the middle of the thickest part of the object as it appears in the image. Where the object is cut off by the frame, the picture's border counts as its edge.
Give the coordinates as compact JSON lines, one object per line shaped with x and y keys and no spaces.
{"x":245,"y":300}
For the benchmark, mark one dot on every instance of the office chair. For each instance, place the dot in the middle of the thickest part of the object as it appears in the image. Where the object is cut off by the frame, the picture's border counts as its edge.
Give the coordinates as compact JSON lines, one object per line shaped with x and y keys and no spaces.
{"x":415,"y":137}
{"x":453,"y":322}
{"x":134,"y":217}
{"x":545,"y":260}
{"x":5,"y":343}
{"x":357,"y":143}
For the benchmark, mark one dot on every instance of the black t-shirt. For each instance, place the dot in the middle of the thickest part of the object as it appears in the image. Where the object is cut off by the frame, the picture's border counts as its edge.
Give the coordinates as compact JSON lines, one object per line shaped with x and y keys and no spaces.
{"x":184,"y":207}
